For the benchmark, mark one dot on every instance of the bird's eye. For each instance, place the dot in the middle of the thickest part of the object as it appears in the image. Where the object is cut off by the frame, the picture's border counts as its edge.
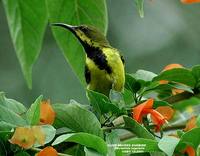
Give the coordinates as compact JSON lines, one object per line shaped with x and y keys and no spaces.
{"x":84,"y":29}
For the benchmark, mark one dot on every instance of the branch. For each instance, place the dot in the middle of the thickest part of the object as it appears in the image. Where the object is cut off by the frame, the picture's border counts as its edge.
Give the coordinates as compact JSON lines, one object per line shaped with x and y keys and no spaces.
{"x":169,"y":128}
{"x":180,"y":97}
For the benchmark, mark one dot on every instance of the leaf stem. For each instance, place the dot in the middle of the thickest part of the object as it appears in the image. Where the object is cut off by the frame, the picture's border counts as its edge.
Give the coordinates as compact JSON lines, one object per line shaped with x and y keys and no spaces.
{"x":169,"y":128}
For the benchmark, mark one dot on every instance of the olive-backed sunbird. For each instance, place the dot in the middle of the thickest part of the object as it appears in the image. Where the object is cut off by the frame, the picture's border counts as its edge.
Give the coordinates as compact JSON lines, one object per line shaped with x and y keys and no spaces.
{"x":104,"y":68}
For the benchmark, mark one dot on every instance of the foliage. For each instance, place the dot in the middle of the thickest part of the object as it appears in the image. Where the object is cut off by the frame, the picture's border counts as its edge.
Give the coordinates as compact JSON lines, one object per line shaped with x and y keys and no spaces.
{"x":140,"y":111}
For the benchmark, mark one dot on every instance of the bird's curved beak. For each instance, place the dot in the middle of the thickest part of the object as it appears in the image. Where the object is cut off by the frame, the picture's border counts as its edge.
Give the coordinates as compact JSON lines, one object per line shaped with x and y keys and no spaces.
{"x":66,"y":26}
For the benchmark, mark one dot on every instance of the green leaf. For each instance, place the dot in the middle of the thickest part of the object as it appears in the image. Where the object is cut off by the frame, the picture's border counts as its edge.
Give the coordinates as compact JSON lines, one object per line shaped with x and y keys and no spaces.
{"x":186,"y":103}
{"x":151,"y":86}
{"x":179,"y":75}
{"x":11,"y":117}
{"x":163,"y":87}
{"x":77,"y":118}
{"x":198,"y":121}
{"x":101,"y":103}
{"x":168,"y":144}
{"x":27,"y":21}
{"x":137,"y":129}
{"x":5,"y":126}
{"x":117,"y":98}
{"x":157,"y":154}
{"x":76,"y":150}
{"x":11,"y":104}
{"x":160,"y":103}
{"x":179,"y":133}
{"x":128,"y":97}
{"x":196,"y":71}
{"x":90,"y":152}
{"x":85,"y":139}
{"x":5,"y":135}
{"x":196,"y":74}
{"x":132,"y":84}
{"x":63,"y":130}
{"x":22,"y":153}
{"x":3,"y":150}
{"x":33,"y":113}
{"x":49,"y":132}
{"x":182,"y":87}
{"x":145,"y":145}
{"x":143,"y":154}
{"x":88,"y":12}
{"x":191,"y":138}
{"x":144,"y":75}
{"x":113,"y":139}
{"x":140,"y":6}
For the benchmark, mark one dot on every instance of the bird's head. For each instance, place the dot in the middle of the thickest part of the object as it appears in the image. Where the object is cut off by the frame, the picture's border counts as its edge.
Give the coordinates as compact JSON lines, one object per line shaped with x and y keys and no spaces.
{"x":86,"y":34}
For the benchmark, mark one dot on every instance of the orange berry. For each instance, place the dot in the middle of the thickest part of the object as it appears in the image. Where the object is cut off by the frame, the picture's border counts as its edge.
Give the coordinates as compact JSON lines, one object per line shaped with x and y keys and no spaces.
{"x":47,"y":114}
{"x":48,"y":151}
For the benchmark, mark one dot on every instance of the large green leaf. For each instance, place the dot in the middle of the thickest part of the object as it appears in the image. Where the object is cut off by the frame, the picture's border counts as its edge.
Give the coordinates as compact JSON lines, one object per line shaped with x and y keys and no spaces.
{"x":137,"y":129}
{"x":27,"y":22}
{"x":144,"y":75}
{"x":5,"y":126}
{"x":113,"y":139}
{"x":33,"y":113}
{"x":132,"y":84}
{"x":77,"y":118}
{"x":22,"y":153}
{"x":196,"y":73}
{"x":86,"y":139}
{"x":128,"y":97}
{"x":101,"y":103}
{"x":179,"y":75}
{"x":181,"y":105}
{"x":11,"y":104}
{"x":90,"y":152}
{"x":158,"y":103}
{"x":116,"y":98}
{"x":198,"y":121}
{"x":11,"y":117}
{"x":76,"y":12}
{"x":165,"y":142}
{"x":11,"y":113}
{"x":140,"y":6}
{"x":141,"y":145}
{"x":191,"y":138}
{"x":76,"y":150}
{"x":3,"y":150}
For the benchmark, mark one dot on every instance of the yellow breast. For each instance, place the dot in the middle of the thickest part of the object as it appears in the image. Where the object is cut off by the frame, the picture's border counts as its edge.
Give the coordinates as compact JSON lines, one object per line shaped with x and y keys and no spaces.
{"x":100,"y":80}
{"x":118,"y":73}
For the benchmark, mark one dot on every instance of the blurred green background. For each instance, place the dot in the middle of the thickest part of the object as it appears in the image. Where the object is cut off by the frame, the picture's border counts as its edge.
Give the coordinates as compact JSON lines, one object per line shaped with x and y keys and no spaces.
{"x":169,"y":33}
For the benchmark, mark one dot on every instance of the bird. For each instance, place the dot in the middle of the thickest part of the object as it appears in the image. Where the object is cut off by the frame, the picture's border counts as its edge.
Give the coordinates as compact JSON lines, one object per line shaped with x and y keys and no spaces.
{"x":104,"y":66}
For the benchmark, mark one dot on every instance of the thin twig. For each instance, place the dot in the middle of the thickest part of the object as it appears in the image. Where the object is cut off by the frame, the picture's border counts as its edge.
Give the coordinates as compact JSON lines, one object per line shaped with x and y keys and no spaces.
{"x":180,"y":97}
{"x":170,"y":128}
{"x":129,"y":135}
